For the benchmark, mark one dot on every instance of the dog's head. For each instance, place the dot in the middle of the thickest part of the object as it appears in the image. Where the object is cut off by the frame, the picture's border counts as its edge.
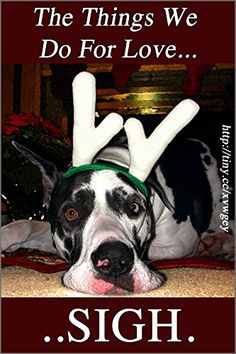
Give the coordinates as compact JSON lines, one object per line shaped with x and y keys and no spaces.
{"x":100,"y":219}
{"x":101,"y":225}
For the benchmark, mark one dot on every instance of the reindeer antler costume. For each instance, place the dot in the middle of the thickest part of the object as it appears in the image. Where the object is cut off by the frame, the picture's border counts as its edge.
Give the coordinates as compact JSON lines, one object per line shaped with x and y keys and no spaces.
{"x":88,"y":140}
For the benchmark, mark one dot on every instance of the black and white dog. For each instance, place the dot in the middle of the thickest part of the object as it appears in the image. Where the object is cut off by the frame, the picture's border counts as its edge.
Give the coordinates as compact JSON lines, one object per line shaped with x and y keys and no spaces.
{"x":107,"y":229}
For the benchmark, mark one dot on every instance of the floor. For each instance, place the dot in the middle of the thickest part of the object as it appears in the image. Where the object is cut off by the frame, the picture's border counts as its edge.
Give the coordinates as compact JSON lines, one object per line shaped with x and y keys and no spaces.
{"x":182,"y":282}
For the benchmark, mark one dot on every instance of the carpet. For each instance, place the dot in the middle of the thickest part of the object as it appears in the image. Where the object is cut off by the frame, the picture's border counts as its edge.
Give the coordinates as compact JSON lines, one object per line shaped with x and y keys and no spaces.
{"x":30,"y":273}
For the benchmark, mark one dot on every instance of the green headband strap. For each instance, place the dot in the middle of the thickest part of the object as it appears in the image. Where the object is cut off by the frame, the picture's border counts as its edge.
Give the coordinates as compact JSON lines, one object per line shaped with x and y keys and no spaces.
{"x":99,"y":167}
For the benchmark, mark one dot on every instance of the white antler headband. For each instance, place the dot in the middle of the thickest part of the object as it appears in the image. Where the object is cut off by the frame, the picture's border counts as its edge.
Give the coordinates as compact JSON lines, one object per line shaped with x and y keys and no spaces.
{"x":145,"y":152}
{"x":88,"y":140}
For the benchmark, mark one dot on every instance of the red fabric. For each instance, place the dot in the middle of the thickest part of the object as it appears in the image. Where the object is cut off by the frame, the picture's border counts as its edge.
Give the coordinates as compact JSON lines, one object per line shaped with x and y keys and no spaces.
{"x":191,"y":86}
{"x":47,"y":263}
{"x":40,"y":261}
{"x":194,"y":262}
{"x":192,"y":81}
{"x":122,"y":72}
{"x":38,"y":266}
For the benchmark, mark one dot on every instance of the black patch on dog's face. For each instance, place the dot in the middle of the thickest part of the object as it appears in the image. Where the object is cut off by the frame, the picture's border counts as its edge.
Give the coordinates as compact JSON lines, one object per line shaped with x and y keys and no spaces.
{"x":70,"y":231}
{"x":121,"y":203}
{"x":137,"y":244}
{"x":133,"y":206}
{"x":116,"y":200}
{"x":82,"y":202}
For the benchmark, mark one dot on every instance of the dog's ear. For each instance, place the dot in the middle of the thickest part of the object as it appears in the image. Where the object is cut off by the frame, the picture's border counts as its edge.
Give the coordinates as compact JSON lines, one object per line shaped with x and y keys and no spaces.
{"x":49,"y":171}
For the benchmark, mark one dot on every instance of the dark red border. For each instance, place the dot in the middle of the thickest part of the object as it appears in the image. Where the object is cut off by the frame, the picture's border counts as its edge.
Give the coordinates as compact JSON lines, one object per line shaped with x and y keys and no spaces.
{"x":27,"y":321}
{"x":212,"y":38}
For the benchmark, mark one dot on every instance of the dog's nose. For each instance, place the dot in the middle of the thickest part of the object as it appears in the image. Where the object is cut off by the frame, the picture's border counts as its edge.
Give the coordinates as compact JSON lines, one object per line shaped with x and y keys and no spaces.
{"x":111,"y":259}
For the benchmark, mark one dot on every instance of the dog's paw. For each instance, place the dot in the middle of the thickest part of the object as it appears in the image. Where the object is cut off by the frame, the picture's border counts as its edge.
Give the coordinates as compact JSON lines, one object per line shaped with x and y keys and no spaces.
{"x":217,"y":244}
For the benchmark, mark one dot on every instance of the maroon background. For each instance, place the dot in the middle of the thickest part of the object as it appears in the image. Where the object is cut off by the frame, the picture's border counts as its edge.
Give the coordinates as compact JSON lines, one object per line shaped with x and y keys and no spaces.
{"x":212,"y":38}
{"x":26,"y":321}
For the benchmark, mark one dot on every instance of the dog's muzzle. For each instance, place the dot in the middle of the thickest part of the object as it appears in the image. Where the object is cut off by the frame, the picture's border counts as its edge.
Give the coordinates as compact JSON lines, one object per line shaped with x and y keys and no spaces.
{"x":109,"y":263}
{"x":113,"y":269}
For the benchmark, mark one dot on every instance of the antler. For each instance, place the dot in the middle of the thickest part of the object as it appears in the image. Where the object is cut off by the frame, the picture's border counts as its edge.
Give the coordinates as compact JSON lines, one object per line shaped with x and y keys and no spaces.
{"x":145,"y":152}
{"x":88,"y":140}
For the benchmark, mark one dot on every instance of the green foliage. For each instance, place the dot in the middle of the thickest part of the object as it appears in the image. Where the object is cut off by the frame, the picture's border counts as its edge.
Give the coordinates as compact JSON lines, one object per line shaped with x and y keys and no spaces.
{"x":21,"y":180}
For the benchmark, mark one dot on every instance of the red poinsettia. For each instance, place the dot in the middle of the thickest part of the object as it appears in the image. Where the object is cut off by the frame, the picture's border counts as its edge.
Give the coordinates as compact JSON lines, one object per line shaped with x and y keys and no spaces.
{"x":9,"y":130}
{"x":51,"y":128}
{"x":31,"y":125}
{"x":22,"y":120}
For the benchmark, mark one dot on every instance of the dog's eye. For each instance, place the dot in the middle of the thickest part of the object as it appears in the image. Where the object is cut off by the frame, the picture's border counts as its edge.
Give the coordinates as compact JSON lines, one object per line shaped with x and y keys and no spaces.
{"x":134,"y":207}
{"x":71,"y":214}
